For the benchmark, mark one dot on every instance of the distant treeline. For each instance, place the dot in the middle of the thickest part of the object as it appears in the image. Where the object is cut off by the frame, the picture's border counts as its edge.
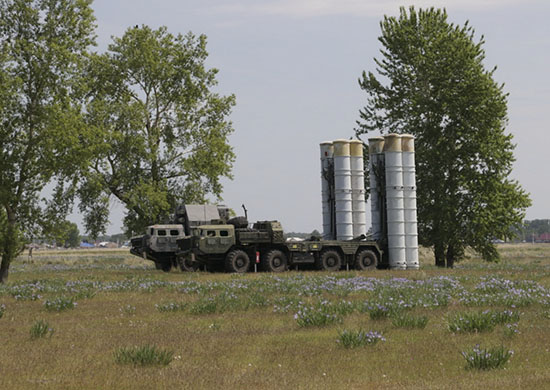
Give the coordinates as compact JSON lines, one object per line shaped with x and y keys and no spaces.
{"x":535,"y":230}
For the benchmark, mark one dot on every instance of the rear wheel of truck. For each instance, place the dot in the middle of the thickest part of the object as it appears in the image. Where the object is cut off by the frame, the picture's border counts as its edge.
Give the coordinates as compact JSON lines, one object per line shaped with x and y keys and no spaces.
{"x":366,"y":259}
{"x":237,"y":261}
{"x":274,"y":261}
{"x":165,"y":266}
{"x":186,"y":264}
{"x":329,"y":260}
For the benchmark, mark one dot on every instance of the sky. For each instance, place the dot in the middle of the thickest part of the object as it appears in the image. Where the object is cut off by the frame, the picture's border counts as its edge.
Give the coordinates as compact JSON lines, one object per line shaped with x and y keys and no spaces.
{"x":294,"y":65}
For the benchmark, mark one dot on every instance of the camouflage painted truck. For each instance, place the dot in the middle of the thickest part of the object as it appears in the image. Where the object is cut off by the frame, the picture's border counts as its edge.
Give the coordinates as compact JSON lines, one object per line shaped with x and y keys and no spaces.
{"x":235,"y":247}
{"x":158,"y":244}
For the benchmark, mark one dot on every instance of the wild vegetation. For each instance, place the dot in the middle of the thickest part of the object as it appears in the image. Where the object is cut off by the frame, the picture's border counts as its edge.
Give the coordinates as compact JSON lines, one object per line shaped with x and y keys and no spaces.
{"x":430,"y":81}
{"x":131,"y":326}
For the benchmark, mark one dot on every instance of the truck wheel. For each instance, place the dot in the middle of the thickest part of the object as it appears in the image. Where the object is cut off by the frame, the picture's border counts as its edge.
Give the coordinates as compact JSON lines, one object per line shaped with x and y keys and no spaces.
{"x":365,"y":259}
{"x":186,"y":264}
{"x":329,"y":261}
{"x":274,"y":261}
{"x":166,"y":267}
{"x":237,"y":261}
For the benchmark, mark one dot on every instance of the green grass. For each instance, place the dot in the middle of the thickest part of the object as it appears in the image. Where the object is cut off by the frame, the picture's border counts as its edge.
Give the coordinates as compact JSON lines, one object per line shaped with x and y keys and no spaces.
{"x":41,"y":329}
{"x":60,"y":304}
{"x":145,"y":355}
{"x":487,"y":359}
{"x":484,"y":321}
{"x":409,"y":321}
{"x":359,"y":338}
{"x":251,"y":339}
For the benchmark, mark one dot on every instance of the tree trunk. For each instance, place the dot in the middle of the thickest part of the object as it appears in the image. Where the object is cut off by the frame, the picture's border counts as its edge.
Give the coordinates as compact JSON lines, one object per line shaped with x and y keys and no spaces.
{"x":10,"y":249}
{"x":439,"y":252}
{"x":450,"y":256}
{"x":4,"y":270}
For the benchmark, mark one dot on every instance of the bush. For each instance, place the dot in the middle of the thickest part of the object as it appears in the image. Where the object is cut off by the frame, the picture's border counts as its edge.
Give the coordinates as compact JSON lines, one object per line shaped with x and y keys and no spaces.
{"x":378,"y":311}
{"x":319,"y":315}
{"x":360,"y":338}
{"x":206,"y":306}
{"x":41,"y":329}
{"x":486,"y":359}
{"x":143,"y":356}
{"x":408,"y":321}
{"x":60,"y":304}
{"x":481,"y":321}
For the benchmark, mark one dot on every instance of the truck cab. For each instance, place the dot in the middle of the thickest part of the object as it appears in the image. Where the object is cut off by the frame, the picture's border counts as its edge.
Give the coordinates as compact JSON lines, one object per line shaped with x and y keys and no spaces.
{"x":158,"y":244}
{"x":215,"y":238}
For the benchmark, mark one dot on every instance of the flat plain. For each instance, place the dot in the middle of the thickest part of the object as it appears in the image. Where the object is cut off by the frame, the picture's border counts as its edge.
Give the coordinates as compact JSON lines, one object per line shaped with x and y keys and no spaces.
{"x":274,"y":331}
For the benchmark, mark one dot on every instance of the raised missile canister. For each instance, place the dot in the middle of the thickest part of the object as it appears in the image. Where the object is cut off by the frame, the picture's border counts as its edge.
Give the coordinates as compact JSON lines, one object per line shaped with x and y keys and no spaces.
{"x":409,"y":202}
{"x":394,"y":201}
{"x":342,"y":185}
{"x":376,"y":183}
{"x":327,"y":187}
{"x":358,"y":188}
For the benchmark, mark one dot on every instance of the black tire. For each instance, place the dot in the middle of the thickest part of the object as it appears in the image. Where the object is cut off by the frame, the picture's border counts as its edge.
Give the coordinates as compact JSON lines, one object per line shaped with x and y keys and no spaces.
{"x":366,"y":260}
{"x":165,"y":266}
{"x":274,"y":261}
{"x":237,"y":261}
{"x":329,"y":260}
{"x":186,"y":264}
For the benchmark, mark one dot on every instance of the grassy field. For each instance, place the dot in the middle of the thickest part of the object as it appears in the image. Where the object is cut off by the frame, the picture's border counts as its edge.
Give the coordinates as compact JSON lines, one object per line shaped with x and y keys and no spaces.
{"x":72,"y":320}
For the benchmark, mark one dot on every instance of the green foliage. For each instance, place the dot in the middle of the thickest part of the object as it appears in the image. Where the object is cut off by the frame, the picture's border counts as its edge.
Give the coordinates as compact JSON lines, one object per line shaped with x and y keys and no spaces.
{"x":59,"y":304}
{"x":438,"y":90}
{"x":42,"y":45}
{"x":409,"y":321}
{"x":360,"y":338}
{"x":64,"y":233}
{"x":320,"y":314}
{"x":481,"y":321}
{"x":41,"y":329}
{"x":530,"y":230}
{"x":160,"y":134}
{"x":487,"y":359}
{"x":145,"y":355}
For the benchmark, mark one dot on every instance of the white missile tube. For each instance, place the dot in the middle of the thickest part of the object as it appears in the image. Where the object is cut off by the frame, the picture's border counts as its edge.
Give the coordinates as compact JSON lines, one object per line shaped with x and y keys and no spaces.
{"x":327,"y":176}
{"x":409,"y":201}
{"x":376,"y":160}
{"x":394,"y":201}
{"x":342,"y":185}
{"x":357,"y":188}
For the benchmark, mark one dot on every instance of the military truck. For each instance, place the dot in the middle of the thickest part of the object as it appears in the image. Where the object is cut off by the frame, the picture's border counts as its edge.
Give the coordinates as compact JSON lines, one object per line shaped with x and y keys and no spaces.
{"x":158,"y":244}
{"x":237,"y":247}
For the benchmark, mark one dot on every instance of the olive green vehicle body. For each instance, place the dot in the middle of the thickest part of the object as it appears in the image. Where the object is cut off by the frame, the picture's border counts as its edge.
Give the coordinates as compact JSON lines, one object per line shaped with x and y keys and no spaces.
{"x":237,"y":249}
{"x":158,"y":244}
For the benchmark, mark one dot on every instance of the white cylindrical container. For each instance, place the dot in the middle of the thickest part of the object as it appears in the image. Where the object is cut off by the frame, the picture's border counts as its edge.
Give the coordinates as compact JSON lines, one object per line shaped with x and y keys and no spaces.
{"x":409,"y":197}
{"x":327,"y":178}
{"x":357,"y":188}
{"x":394,"y":201}
{"x":376,"y":174}
{"x":342,"y":186}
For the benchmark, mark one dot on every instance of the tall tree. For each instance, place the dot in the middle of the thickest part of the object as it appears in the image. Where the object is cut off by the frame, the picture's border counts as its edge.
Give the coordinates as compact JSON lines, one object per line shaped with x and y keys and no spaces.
{"x":434,"y":85}
{"x":160,"y":132}
{"x":42,"y":43}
